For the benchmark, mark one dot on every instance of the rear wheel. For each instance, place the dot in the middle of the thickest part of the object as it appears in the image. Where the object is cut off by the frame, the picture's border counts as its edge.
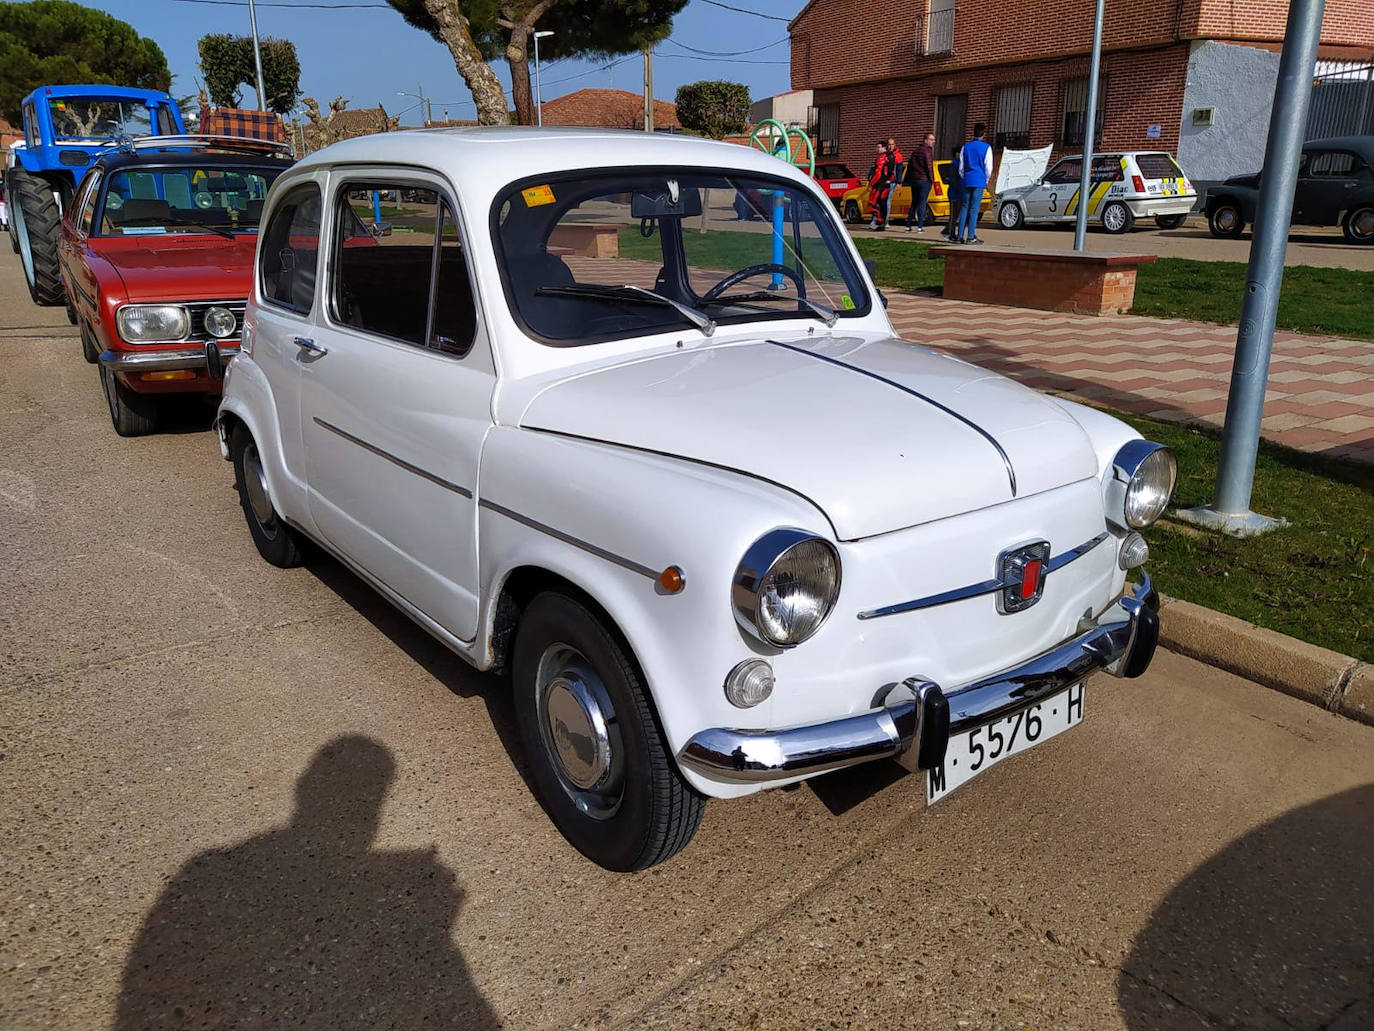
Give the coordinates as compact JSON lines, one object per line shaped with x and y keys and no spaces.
{"x":1169,"y":221}
{"x":852,"y":213}
{"x":1359,"y":224}
{"x":1009,"y":216}
{"x":37,"y":218}
{"x":133,"y":414}
{"x":1225,"y":220}
{"x":1117,"y":218}
{"x":276,"y":542}
{"x":599,"y":763}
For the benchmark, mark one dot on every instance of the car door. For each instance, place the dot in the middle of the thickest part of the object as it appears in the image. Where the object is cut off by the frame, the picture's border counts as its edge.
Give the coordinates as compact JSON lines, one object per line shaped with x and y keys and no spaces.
{"x":396,"y":389}
{"x":1049,"y":199}
{"x":1329,"y":178}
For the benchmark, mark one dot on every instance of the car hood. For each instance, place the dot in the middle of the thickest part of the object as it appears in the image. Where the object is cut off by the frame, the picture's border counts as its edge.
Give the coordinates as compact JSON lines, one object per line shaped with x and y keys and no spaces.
{"x":879,"y":434}
{"x":185,"y":271}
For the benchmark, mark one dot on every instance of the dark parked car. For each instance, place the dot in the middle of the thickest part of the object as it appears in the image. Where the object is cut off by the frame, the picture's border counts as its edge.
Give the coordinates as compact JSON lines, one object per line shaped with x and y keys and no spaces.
{"x":1335,"y":187}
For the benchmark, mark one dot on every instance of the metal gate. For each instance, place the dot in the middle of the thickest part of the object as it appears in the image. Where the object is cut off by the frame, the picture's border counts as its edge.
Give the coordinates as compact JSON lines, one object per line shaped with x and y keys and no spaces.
{"x":1342,"y":100}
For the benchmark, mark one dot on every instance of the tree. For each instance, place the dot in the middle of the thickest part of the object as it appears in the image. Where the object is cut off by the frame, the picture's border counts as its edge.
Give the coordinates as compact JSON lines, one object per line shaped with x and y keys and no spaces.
{"x":713,"y":109}
{"x":503,"y":28}
{"x":227,"y":62}
{"x":51,"y":42}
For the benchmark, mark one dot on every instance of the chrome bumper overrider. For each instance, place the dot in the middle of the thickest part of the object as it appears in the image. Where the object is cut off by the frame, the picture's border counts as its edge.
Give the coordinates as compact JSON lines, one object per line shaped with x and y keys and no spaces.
{"x":917,"y":719}
{"x":183,"y":358}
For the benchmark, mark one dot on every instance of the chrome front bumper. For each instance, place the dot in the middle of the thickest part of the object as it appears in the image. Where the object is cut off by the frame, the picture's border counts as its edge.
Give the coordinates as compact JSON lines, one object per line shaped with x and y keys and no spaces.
{"x":182,"y":358}
{"x":918,"y":718}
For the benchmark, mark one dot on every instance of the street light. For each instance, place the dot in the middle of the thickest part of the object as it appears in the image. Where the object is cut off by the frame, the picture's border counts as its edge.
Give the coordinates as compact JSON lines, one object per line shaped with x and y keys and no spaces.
{"x":428,"y":114}
{"x":538,"y":96}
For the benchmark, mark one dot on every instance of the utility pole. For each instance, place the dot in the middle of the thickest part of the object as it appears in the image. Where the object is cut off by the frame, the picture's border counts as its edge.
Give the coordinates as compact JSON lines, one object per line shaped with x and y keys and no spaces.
{"x":1230,"y":507}
{"x":1080,"y":229}
{"x":257,"y":54}
{"x":648,"y":89}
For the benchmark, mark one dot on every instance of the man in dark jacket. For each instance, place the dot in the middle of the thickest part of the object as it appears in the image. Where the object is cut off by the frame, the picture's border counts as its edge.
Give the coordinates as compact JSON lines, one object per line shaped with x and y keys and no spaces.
{"x":920,"y":176}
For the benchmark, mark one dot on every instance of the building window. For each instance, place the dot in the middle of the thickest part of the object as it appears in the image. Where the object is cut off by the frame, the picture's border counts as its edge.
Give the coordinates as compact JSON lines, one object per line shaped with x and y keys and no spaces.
{"x":1013,"y":118}
{"x":1074,"y":102}
{"x":827,"y":131}
{"x":939,"y":34}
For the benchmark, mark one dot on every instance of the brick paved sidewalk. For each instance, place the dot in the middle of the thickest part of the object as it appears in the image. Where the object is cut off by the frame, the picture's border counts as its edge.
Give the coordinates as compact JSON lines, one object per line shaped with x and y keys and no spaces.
{"x":1321,"y":389}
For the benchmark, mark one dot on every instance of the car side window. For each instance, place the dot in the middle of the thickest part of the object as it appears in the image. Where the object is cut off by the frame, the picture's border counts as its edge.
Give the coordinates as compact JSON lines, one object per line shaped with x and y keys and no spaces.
{"x":384,"y":258}
{"x":1067,"y":171}
{"x":289,"y":251}
{"x":1333,"y":163}
{"x":83,"y":221}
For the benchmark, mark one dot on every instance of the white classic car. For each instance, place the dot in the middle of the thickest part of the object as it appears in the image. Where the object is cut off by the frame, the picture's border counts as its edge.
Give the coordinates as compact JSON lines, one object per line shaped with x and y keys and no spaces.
{"x":676,"y":475}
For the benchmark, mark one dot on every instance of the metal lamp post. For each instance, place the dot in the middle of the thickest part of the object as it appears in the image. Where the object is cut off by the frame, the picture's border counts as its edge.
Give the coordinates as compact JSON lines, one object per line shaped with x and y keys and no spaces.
{"x":427,"y":114}
{"x":538,"y":96}
{"x":1080,"y":230}
{"x":257,"y":54}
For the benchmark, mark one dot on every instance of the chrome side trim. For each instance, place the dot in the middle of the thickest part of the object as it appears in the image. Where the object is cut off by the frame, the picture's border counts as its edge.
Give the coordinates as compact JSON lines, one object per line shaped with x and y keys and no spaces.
{"x":1006,"y":459}
{"x":985,"y":587}
{"x":567,"y":538}
{"x":153,"y":361}
{"x":408,"y":467}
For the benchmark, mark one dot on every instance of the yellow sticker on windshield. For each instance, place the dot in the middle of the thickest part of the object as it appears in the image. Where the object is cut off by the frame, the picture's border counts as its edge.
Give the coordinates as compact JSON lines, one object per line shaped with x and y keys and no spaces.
{"x":537,"y":195}
{"x":846,"y":302}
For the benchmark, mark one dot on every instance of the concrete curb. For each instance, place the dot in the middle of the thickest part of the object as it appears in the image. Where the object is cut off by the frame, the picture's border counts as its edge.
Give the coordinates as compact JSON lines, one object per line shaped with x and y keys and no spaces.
{"x":1336,"y":682}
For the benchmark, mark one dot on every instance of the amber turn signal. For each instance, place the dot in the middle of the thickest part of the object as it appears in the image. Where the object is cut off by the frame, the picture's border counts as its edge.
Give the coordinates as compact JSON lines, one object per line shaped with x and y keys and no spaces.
{"x":168,"y":374}
{"x":672,"y":580}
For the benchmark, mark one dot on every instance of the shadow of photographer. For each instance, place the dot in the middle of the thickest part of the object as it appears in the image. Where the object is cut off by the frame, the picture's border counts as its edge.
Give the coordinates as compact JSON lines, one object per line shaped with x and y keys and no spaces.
{"x":307,"y":926}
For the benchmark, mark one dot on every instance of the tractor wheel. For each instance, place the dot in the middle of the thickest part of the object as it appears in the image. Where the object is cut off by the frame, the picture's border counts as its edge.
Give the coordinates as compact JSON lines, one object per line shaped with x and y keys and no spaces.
{"x":37,"y":219}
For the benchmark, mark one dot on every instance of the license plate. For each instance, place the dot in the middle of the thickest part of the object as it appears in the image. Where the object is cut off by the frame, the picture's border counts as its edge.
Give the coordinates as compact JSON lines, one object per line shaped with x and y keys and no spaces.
{"x":981,"y":748}
{"x":839,"y":186}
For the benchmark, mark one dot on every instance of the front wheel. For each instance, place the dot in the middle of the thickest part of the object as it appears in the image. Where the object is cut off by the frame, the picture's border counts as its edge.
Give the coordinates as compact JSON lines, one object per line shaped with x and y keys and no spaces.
{"x":133,"y":414}
{"x":853,"y":214}
{"x":1169,"y":221}
{"x":1225,"y":220}
{"x":1117,"y":218}
{"x":1358,"y":226}
{"x":1009,"y":216}
{"x":599,"y":762}
{"x":276,"y":542}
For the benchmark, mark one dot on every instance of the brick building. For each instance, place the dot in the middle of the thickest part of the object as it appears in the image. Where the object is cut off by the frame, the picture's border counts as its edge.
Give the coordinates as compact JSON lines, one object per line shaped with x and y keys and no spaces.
{"x":1193,"y":77}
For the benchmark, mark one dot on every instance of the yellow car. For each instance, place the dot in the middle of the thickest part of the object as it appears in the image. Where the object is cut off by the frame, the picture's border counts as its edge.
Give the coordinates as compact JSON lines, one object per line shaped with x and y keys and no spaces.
{"x":855,"y":208}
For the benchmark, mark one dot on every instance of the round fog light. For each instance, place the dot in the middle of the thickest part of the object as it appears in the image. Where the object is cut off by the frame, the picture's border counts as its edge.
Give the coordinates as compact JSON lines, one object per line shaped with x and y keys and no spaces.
{"x":1134,"y":552}
{"x":749,"y":683}
{"x":220,"y":322}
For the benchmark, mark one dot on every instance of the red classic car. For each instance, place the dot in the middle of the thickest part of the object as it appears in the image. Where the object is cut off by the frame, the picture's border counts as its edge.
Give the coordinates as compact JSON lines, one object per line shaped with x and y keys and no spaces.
{"x":156,"y":255}
{"x":835,"y":179}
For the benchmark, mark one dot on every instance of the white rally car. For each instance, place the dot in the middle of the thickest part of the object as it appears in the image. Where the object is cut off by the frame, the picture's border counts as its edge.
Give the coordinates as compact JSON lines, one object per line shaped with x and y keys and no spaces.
{"x":1124,"y":187}
{"x":723,"y":528}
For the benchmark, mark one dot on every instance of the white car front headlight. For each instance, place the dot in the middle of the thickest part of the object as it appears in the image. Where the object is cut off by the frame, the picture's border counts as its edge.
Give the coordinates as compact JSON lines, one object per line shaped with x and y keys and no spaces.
{"x":153,"y":323}
{"x":1140,"y":484}
{"x":785,"y":586}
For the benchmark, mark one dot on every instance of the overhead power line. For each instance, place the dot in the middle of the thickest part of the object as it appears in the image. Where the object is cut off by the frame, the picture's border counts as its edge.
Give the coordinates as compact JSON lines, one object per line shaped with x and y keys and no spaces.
{"x":729,"y":53}
{"x":731,"y":60}
{"x":300,"y":6}
{"x":745,"y":10}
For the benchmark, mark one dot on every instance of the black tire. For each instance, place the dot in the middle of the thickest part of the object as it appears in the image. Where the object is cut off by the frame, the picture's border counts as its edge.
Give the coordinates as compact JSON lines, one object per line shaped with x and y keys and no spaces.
{"x":1170,"y":221}
{"x":1117,"y":218}
{"x":39,"y":222}
{"x":276,"y":542}
{"x":71,"y":312}
{"x":1358,"y":224}
{"x":88,"y":349}
{"x":635,"y":809}
{"x":133,"y":414}
{"x":1010,"y":216}
{"x":853,"y":214}
{"x":1225,"y":220}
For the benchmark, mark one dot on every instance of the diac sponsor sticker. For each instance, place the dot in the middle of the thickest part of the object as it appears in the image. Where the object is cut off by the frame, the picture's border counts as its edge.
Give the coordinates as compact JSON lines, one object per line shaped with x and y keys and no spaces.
{"x":537,"y":195}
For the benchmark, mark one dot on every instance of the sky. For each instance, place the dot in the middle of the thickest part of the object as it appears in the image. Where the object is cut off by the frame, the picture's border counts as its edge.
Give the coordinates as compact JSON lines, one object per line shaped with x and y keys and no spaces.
{"x":367,"y":53}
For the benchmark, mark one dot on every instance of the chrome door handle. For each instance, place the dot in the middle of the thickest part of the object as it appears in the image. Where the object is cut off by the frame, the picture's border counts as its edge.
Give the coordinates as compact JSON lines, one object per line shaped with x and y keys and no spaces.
{"x":309,"y":346}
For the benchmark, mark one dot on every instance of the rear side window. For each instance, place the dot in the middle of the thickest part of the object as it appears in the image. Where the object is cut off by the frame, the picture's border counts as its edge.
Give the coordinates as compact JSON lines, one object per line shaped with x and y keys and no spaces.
{"x":1334,"y":162}
{"x":1157,"y":166}
{"x":289,"y":253}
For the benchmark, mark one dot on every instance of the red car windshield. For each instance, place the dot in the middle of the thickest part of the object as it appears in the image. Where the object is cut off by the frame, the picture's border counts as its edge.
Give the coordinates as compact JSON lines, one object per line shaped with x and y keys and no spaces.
{"x":184,"y":199}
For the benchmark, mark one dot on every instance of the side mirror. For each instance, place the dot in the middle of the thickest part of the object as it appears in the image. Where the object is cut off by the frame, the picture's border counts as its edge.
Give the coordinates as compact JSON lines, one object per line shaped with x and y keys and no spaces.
{"x":379,"y":229}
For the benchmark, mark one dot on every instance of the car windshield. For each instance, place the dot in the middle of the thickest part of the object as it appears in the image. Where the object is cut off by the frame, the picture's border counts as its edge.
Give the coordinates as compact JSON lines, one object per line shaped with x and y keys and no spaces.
{"x":76,"y":118}
{"x":184,"y":199}
{"x":615,"y":253}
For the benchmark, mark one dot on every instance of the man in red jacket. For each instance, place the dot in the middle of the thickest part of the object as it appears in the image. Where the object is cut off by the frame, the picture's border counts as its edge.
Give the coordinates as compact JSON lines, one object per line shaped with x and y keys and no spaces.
{"x":879,"y":188}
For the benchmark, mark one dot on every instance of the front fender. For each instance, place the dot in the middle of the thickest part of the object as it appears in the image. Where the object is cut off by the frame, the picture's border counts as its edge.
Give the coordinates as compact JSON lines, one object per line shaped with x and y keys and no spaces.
{"x":609,"y":519}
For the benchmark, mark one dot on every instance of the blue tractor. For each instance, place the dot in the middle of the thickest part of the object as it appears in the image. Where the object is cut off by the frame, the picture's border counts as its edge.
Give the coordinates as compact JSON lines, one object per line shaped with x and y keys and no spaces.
{"x":65,"y":129}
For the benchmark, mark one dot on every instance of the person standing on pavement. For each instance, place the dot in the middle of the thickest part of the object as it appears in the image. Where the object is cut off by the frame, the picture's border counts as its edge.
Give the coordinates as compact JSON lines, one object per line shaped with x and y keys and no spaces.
{"x":879,"y":187}
{"x":954,"y":186}
{"x":920,"y":176}
{"x":895,"y":166}
{"x":975,"y":169}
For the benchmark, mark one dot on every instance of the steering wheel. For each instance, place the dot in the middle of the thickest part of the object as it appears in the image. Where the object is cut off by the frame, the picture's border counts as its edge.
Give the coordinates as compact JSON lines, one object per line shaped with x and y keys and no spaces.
{"x":754,"y":270}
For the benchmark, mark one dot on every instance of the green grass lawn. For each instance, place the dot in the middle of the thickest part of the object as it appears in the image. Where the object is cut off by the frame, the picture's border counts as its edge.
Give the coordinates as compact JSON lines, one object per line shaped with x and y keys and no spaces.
{"x":1313,"y":580}
{"x":1336,"y":302}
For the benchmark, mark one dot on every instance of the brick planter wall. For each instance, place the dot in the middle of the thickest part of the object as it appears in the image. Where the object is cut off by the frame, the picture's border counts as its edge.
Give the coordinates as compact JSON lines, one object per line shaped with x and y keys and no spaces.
{"x":1087,"y":283}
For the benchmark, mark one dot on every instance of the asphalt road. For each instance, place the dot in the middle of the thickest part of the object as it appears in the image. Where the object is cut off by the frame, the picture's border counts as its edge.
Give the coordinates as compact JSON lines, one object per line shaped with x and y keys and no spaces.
{"x":265,"y":788}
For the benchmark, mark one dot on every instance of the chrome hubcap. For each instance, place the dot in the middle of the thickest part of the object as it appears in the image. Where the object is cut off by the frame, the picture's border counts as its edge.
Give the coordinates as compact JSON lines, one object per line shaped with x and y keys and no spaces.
{"x":1226,"y":219}
{"x":255,"y":485}
{"x":579,"y":730}
{"x":1363,"y":223}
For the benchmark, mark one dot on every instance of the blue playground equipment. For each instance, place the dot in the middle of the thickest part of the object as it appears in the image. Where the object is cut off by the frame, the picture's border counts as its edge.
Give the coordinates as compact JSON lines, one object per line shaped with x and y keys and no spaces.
{"x":65,"y":129}
{"x":772,"y":137}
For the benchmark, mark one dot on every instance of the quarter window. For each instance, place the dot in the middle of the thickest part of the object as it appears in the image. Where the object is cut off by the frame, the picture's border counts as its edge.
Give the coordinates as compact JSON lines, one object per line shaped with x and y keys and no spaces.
{"x":289,"y":252}
{"x":87,"y":210}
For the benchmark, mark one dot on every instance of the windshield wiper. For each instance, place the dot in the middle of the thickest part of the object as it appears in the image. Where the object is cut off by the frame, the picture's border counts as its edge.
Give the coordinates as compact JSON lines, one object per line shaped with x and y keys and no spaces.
{"x":826,"y":315}
{"x":201,"y":225}
{"x":634,"y":294}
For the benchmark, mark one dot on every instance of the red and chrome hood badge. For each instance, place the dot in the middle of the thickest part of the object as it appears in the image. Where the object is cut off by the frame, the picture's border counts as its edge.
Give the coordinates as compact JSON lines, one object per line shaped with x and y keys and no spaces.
{"x":1022,"y":573}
